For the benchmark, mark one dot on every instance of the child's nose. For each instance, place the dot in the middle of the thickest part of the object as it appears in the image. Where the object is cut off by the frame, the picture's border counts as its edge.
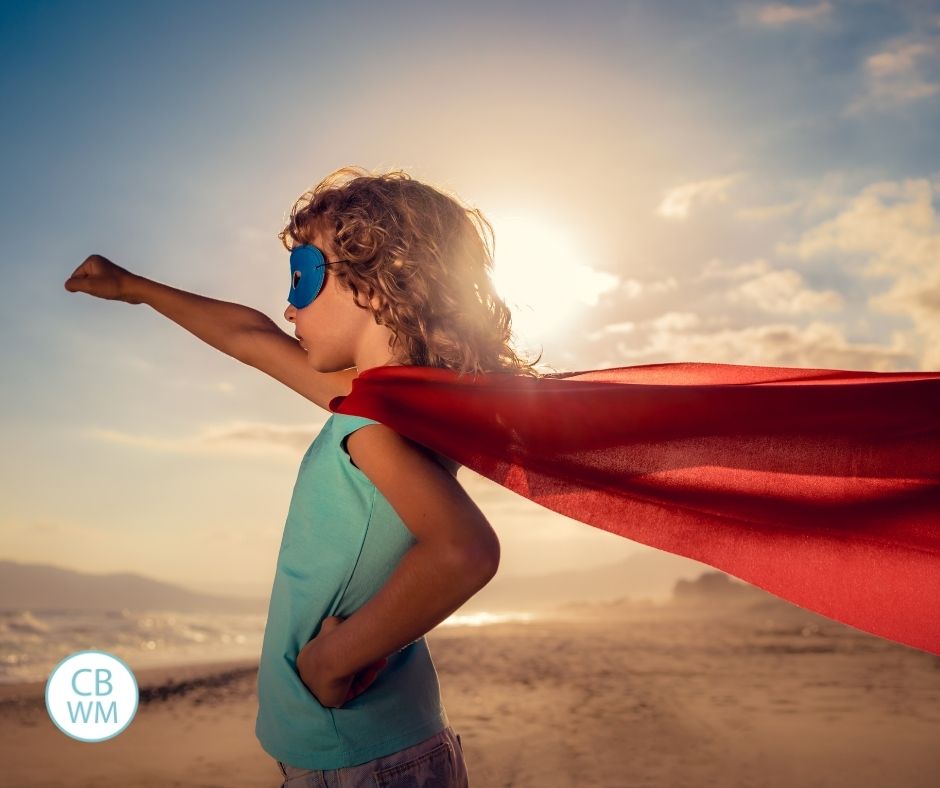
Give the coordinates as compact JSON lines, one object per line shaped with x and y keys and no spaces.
{"x":290,"y":312}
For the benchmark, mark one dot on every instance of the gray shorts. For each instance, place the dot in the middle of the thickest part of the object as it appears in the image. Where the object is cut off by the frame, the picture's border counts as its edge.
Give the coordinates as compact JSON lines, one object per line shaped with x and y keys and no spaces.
{"x":436,"y":761}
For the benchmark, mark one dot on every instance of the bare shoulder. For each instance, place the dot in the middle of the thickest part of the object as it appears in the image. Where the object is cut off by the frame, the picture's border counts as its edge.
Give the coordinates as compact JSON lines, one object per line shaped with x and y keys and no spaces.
{"x":377,"y":440}
{"x":423,"y":489}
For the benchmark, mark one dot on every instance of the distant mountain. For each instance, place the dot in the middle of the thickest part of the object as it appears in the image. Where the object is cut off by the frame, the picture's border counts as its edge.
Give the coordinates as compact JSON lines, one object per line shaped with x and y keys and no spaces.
{"x":648,"y":574}
{"x":715,"y":587}
{"x":46,"y":587}
{"x":655,"y":575}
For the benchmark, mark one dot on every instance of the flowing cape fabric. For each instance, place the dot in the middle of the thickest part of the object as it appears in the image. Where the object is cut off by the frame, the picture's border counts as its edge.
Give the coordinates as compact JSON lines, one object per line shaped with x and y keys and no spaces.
{"x":820,"y":486}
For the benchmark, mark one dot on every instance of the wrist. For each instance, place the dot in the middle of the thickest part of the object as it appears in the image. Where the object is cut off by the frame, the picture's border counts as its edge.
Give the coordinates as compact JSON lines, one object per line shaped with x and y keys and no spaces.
{"x":132,"y":290}
{"x":317,"y":658}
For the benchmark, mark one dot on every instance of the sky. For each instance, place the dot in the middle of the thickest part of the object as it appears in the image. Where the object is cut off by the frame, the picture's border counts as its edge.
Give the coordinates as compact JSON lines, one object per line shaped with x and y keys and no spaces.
{"x":734,"y":182}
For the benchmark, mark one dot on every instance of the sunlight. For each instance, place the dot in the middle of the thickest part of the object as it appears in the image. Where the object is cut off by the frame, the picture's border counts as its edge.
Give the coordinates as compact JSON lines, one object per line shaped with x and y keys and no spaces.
{"x":484,"y":618}
{"x":541,"y":274}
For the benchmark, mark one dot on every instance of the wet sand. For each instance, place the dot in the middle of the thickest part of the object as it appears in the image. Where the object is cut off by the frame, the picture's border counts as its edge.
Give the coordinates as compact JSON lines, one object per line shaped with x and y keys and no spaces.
{"x":628,"y":695}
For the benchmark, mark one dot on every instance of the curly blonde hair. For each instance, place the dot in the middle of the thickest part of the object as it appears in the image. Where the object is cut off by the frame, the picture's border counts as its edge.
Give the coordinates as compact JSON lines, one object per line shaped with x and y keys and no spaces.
{"x":427,"y":255}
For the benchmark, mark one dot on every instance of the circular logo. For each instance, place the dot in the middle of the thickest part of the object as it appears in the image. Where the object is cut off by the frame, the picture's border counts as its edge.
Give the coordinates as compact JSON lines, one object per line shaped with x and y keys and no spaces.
{"x":92,"y":695}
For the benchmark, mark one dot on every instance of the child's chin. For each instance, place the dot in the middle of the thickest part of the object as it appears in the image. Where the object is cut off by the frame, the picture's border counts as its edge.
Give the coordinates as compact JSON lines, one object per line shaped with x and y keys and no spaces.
{"x":318,"y":365}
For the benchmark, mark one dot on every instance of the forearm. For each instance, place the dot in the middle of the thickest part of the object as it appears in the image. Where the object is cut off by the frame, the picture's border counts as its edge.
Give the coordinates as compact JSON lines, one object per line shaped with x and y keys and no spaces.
{"x":222,"y":324}
{"x":428,"y":585}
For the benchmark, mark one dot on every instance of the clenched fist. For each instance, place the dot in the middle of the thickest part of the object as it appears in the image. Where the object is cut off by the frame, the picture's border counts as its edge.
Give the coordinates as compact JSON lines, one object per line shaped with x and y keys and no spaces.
{"x":98,"y":276}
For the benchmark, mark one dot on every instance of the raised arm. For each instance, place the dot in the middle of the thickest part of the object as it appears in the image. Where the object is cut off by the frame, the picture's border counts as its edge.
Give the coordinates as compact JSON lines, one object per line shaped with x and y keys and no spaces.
{"x":239,"y":331}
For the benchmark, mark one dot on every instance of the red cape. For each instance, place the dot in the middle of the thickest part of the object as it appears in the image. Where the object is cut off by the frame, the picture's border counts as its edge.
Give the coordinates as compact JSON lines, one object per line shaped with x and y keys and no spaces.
{"x":820,"y":486}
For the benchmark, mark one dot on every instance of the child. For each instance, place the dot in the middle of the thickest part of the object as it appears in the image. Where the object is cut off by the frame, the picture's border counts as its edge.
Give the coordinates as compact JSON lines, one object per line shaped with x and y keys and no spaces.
{"x":381,"y":542}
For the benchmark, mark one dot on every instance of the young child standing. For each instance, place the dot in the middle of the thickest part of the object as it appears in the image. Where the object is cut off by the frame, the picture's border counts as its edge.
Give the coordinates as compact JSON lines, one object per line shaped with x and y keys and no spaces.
{"x":381,"y":542}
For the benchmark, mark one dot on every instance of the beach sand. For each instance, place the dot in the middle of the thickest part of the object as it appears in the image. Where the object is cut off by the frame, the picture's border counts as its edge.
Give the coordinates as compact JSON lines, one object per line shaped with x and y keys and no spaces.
{"x":628,"y":695}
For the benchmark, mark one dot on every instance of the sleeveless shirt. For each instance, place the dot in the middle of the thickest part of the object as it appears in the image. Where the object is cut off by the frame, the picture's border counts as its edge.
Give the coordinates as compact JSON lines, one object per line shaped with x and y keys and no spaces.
{"x":341,"y":542}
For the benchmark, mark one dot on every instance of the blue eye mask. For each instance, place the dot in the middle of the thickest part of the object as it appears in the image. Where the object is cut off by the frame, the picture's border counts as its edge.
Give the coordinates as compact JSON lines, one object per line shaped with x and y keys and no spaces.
{"x":307,"y":272}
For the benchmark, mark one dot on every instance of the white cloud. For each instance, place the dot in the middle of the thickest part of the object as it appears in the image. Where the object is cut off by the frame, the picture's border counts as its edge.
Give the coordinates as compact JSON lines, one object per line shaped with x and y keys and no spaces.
{"x":626,"y":327}
{"x":810,"y":197}
{"x":890,"y":223}
{"x":896,"y":61}
{"x":678,"y":202}
{"x":784,"y":291}
{"x":904,"y":71}
{"x":718,"y":269}
{"x":675,"y":321}
{"x":818,"y":345}
{"x":663,"y":285}
{"x":634,"y":288}
{"x":893,"y":229}
{"x":785,"y":14}
{"x":772,"y":290}
{"x":237,"y":437}
{"x":761,"y":213}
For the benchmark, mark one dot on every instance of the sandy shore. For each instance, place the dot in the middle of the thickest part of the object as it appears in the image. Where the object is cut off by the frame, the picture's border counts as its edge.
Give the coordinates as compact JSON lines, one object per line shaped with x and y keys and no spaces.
{"x":628,"y":696}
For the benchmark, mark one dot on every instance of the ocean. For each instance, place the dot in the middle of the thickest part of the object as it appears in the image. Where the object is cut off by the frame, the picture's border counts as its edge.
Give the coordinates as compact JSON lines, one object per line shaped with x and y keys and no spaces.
{"x":33,"y":642}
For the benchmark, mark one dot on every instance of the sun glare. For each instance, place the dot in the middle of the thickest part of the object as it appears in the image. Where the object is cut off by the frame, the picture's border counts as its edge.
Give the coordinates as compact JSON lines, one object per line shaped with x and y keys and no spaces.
{"x":541,"y":273}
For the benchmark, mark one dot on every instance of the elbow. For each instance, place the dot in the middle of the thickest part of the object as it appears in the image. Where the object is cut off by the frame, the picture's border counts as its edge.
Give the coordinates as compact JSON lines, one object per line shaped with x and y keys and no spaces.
{"x":480,"y":562}
{"x":472,"y":553}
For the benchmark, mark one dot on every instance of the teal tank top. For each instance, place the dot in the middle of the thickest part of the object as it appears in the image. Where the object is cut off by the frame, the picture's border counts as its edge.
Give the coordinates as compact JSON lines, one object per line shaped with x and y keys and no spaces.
{"x":341,"y":542}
